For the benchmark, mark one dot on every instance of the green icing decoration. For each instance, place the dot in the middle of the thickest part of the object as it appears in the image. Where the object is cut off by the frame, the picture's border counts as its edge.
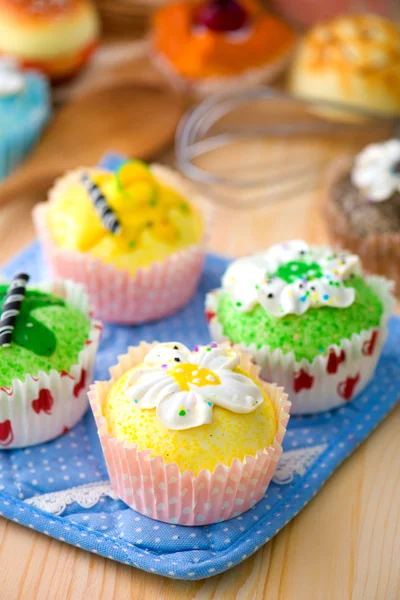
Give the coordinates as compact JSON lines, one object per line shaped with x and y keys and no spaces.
{"x":29,"y":332}
{"x":296,"y":269}
{"x":306,"y":335}
{"x":49,"y":334}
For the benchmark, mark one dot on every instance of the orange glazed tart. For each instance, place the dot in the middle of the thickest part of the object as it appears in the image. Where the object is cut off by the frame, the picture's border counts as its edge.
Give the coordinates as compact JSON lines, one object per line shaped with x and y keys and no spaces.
{"x":55,"y":36}
{"x":218,"y":43}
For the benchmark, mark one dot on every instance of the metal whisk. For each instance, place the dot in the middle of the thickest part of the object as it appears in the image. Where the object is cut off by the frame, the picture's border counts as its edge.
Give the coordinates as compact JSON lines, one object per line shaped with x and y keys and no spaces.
{"x":244,"y":148}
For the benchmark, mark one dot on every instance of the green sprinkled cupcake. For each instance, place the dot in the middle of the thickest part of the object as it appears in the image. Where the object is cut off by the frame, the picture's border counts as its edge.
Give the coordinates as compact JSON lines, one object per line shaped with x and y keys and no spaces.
{"x":48,"y":344}
{"x":308,"y":316}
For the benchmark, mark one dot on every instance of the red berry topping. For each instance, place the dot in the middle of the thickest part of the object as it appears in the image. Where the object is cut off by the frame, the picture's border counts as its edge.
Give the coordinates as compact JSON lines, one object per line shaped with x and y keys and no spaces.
{"x":222,"y":16}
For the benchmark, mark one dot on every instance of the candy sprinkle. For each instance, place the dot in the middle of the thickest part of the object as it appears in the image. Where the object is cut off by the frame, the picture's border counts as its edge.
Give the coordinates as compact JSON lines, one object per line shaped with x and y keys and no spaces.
{"x":182,"y":412}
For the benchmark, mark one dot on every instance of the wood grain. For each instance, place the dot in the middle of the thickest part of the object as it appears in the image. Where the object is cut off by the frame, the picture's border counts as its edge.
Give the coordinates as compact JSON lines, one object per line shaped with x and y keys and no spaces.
{"x":344,"y":545}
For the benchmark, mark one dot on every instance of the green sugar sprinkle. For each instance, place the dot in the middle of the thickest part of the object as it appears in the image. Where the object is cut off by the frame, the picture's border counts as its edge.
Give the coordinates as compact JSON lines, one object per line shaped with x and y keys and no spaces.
{"x":297,"y":269}
{"x":49,"y":334}
{"x":307,"y":334}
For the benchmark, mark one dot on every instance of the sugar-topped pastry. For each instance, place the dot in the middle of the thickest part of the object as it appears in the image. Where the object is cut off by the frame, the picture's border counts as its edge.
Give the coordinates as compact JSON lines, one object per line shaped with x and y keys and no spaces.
{"x":141,"y":225}
{"x":195,"y":433}
{"x":309,"y":316}
{"x":219,"y":43}
{"x":353,"y":59}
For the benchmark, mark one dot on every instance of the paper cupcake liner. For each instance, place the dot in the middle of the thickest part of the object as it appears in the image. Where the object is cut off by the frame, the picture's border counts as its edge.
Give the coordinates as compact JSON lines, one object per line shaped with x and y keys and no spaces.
{"x":328,"y":381}
{"x":213,"y":85}
{"x":153,"y":292}
{"x":161,"y":491}
{"x":379,"y":253}
{"x":45,"y":406}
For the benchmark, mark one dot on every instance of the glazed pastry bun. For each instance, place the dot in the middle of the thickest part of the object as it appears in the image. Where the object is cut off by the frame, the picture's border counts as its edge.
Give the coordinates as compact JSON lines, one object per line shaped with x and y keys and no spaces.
{"x":54,"y":36}
{"x":354,"y":60}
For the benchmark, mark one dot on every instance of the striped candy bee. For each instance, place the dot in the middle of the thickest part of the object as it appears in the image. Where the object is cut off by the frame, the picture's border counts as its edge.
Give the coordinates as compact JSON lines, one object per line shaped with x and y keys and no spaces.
{"x":11,"y":307}
{"x":106,"y":214}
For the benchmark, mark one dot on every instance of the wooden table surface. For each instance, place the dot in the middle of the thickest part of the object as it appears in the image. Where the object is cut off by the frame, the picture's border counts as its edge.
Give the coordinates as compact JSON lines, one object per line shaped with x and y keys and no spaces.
{"x":344,"y":545}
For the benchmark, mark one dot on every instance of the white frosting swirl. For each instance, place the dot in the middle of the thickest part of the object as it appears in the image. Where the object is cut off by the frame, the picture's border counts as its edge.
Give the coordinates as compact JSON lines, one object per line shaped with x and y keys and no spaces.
{"x":12,"y":81}
{"x":183,"y":386}
{"x":290,"y":278}
{"x":376,"y":170}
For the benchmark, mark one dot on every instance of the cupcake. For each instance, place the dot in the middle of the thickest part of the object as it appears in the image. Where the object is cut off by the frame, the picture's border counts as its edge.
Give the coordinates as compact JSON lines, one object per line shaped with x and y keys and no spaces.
{"x":25,"y":108}
{"x":219,"y":44}
{"x":362,"y":207}
{"x":134,"y":238}
{"x":48,"y":345}
{"x":189,"y":437}
{"x":352,"y":60}
{"x":56,"y":38}
{"x":309,"y":317}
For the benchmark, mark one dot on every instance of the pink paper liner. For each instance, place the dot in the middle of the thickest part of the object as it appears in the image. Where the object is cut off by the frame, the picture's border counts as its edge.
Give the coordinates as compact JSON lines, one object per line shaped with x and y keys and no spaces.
{"x":44,"y":406}
{"x":151,"y":293}
{"x":330,"y":380}
{"x":161,"y":491}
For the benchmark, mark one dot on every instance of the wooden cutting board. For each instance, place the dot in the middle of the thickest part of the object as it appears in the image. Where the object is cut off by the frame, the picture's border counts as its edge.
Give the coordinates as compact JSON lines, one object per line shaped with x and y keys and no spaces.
{"x":136,"y":118}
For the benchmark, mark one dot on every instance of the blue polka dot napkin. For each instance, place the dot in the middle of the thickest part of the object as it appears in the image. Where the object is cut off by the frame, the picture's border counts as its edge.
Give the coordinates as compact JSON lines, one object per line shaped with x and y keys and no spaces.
{"x":61,"y":488}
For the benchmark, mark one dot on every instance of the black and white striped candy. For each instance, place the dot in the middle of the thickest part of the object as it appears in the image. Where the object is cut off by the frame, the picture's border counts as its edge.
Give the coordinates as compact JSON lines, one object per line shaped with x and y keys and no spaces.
{"x":106,"y":214}
{"x":11,"y":307}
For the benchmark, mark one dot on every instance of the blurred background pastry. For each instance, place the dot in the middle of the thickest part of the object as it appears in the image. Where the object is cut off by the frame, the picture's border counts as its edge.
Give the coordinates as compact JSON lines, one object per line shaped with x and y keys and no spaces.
{"x":354,"y":60}
{"x":25,"y":108}
{"x":56,"y":37}
{"x":219,"y":43}
{"x":362,"y":207}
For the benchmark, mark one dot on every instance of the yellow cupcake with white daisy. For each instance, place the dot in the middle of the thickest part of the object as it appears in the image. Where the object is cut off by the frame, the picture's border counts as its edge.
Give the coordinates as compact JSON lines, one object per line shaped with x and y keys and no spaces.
{"x":200,"y":414}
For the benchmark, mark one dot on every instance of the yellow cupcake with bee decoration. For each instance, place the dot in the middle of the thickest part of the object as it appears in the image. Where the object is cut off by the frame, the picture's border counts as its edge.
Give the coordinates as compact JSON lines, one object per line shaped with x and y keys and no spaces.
{"x":134,"y":237}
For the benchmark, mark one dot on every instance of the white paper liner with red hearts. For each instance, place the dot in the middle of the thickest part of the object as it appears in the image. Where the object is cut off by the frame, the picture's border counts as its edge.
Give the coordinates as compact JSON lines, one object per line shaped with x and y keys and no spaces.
{"x":330,"y":380}
{"x":46,"y":405}
{"x":153,"y":292}
{"x":161,"y":491}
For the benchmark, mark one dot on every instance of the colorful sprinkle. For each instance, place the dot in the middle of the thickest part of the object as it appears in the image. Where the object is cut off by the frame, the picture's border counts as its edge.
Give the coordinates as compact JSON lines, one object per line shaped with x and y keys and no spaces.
{"x":209,"y":403}
{"x":326,"y":297}
{"x":214,"y":345}
{"x":182,"y":412}
{"x":238,"y":304}
{"x":196,"y":349}
{"x":164,"y":366}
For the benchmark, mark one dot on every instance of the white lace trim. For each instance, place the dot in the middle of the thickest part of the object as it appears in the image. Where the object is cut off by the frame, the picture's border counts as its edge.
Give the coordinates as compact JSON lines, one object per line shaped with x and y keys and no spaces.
{"x":296,"y":462}
{"x":85,"y":495}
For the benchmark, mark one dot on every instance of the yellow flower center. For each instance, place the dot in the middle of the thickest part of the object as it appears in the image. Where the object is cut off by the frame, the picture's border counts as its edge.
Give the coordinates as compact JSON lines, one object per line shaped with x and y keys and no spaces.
{"x":186,"y":373}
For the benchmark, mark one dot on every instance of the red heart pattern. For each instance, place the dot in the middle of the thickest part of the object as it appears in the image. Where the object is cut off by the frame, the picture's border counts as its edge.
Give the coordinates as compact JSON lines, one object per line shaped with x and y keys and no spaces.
{"x":346,"y":388}
{"x":334,"y":361}
{"x":81,"y":384}
{"x":44,"y":402}
{"x":303,"y":381}
{"x":6,"y":433}
{"x":210,"y":315}
{"x":368,"y":346}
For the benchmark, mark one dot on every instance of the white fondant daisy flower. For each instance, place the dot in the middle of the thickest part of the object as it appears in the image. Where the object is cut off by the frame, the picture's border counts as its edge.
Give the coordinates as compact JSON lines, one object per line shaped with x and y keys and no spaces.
{"x":290,"y":278}
{"x":183,"y":386}
{"x":376,"y":170}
